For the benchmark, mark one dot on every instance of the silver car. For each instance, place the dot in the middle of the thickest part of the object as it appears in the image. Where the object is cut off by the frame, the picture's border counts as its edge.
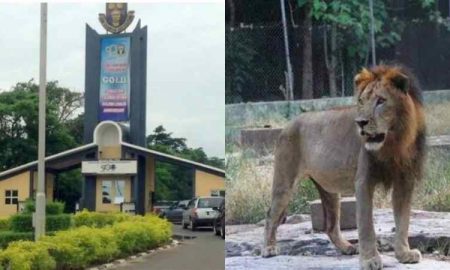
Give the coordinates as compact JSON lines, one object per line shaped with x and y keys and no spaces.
{"x":199,"y":212}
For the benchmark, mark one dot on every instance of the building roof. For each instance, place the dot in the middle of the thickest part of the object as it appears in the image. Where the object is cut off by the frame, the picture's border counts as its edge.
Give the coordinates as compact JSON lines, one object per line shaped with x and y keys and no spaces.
{"x":72,"y":158}
{"x":174,"y":159}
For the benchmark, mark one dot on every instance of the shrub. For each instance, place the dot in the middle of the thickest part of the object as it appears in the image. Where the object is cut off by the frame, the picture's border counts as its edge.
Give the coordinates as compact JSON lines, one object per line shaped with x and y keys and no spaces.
{"x":27,"y":255}
{"x":4,"y":224}
{"x":24,"y":223}
{"x":54,"y":208}
{"x":51,"y":208}
{"x":136,"y":236}
{"x":21,"y":223}
{"x":82,"y":246}
{"x":8,"y":236}
{"x":58,"y":222}
{"x":98,"y":220}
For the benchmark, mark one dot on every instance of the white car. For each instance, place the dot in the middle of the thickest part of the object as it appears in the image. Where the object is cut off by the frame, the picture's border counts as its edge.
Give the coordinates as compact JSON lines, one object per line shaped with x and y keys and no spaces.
{"x":199,"y":212}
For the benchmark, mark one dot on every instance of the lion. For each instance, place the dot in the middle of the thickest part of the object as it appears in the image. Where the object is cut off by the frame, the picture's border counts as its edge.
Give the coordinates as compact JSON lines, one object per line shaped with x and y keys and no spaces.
{"x":380,"y":140}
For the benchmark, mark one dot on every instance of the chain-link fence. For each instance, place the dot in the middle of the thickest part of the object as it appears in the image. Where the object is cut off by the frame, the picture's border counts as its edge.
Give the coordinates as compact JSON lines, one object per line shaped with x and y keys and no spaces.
{"x":256,"y":59}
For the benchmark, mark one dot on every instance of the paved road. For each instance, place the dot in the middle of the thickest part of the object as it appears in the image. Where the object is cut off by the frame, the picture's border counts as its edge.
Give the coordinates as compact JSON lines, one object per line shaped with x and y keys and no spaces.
{"x":205,"y":252}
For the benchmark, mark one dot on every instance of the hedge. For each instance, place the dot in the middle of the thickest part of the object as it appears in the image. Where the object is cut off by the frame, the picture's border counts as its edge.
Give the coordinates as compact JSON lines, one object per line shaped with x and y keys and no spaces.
{"x":83,"y":246}
{"x":8,"y":236}
{"x":51,"y":208}
{"x":24,"y":223}
{"x":98,"y":220}
{"x":27,"y":255}
{"x":4,"y":224}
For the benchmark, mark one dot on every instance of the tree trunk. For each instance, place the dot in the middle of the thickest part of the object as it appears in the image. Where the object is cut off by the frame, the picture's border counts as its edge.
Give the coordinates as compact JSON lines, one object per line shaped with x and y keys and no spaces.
{"x":333,"y":63}
{"x":307,"y":71}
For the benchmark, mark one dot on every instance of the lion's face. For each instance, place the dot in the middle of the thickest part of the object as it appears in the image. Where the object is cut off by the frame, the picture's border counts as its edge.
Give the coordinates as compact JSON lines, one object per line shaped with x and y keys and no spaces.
{"x":376,"y":114}
{"x":378,"y":100}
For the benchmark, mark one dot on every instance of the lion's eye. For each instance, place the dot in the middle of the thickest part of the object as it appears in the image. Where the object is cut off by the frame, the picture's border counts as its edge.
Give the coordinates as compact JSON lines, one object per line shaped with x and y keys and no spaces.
{"x":380,"y":101}
{"x":360,"y":101}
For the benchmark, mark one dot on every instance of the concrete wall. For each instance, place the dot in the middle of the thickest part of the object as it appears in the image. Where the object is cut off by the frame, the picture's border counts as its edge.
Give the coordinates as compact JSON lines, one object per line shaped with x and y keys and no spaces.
{"x":206,"y":182}
{"x":19,"y":182}
{"x":49,"y":185}
{"x":245,"y":115}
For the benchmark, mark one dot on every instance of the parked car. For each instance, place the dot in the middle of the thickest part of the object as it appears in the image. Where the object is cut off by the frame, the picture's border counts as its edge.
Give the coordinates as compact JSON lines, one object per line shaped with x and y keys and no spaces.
{"x":175,"y":212}
{"x":200,"y":213}
{"x":159,"y":206}
{"x":219,"y":221}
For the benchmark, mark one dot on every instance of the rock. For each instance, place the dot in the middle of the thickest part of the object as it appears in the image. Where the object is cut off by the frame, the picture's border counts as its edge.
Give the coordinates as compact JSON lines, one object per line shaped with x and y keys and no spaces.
{"x":323,"y":263}
{"x":428,"y":231}
{"x":261,"y":223}
{"x":297,"y":218}
{"x":348,"y":214}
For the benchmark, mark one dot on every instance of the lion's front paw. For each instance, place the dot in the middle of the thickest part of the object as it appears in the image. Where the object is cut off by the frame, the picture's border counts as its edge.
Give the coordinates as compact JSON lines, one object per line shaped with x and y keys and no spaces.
{"x":269,"y":251}
{"x":410,"y":256}
{"x":373,"y":263}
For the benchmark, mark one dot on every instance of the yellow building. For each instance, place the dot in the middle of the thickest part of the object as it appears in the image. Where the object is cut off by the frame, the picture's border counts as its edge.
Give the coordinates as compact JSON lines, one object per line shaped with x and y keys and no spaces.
{"x":115,"y":173}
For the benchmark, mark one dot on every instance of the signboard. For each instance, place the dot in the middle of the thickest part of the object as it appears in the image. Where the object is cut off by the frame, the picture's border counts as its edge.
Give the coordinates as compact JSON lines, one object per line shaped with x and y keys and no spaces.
{"x":109,"y":167}
{"x":114,"y":79}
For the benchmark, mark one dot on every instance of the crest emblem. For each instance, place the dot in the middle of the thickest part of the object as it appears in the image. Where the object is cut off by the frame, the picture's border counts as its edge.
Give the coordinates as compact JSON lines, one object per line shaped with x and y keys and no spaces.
{"x":116,"y":19}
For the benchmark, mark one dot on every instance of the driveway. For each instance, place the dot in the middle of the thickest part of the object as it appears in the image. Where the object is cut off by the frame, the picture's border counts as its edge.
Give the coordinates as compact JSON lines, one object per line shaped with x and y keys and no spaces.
{"x":205,"y":251}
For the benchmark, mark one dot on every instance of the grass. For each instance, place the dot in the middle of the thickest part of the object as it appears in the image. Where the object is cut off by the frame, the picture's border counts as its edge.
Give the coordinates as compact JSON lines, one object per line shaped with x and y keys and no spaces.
{"x":249,"y":178}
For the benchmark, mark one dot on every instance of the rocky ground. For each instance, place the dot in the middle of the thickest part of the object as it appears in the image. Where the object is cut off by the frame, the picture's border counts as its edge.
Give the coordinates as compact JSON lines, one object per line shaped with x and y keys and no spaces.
{"x":302,"y":248}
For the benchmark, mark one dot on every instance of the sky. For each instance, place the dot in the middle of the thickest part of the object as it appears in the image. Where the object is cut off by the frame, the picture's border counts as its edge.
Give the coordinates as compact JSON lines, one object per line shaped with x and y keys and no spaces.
{"x":185,"y":60}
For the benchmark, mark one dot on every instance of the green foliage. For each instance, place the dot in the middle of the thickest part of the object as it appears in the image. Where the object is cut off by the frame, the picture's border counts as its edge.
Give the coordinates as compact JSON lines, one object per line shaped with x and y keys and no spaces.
{"x":174,"y":182}
{"x":306,"y":192}
{"x":21,"y":223}
{"x":9,"y":236}
{"x":54,"y":208}
{"x":24,"y":223}
{"x":136,"y":236}
{"x":18,"y":119}
{"x":78,"y":248}
{"x":51,"y":208}
{"x":5,"y":224}
{"x":58,"y":222}
{"x":96,"y":219}
{"x":109,"y":236}
{"x":68,"y":188}
{"x":27,"y":255}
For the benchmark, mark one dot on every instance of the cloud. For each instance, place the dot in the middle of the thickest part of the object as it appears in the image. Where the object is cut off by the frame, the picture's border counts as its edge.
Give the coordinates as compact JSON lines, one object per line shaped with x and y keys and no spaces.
{"x":185,"y":68}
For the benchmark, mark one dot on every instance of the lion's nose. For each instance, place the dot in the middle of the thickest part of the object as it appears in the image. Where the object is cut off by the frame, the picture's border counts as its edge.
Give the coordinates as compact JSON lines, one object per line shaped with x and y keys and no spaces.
{"x":361,"y":122}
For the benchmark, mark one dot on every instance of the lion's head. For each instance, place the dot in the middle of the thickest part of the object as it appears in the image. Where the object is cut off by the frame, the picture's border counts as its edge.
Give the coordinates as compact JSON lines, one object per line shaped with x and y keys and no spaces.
{"x":389,"y":108}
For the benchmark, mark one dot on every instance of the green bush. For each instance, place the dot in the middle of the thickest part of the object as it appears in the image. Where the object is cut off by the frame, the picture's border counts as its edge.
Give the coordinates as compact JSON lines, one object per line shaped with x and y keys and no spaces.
{"x":98,"y":220}
{"x":84,"y":246}
{"x":58,"y":222}
{"x":27,"y":255}
{"x":54,"y":208}
{"x":24,"y":222}
{"x":51,"y":208}
{"x":140,"y":235}
{"x":8,"y":236}
{"x":4,"y":224}
{"x":21,"y":223}
{"x":81,"y":247}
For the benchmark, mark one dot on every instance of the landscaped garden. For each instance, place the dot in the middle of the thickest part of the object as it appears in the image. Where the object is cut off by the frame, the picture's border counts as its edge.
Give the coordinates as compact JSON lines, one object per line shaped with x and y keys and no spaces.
{"x":77,"y":241}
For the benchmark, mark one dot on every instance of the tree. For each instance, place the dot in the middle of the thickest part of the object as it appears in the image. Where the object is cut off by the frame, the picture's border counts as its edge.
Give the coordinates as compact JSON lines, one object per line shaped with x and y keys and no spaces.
{"x":19,"y":122}
{"x":174,"y":182}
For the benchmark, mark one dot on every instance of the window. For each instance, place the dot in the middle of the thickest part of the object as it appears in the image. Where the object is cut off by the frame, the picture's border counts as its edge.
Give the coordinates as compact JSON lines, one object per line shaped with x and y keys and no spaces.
{"x":113,"y":191}
{"x":209,"y":202}
{"x":11,"y":196}
{"x":217,"y":193}
{"x":106,"y":191}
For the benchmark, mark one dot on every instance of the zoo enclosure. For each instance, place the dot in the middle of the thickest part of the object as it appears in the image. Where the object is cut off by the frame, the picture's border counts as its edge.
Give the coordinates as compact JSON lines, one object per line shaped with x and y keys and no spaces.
{"x":256,"y":59}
